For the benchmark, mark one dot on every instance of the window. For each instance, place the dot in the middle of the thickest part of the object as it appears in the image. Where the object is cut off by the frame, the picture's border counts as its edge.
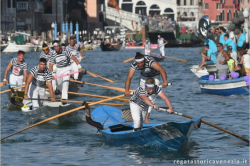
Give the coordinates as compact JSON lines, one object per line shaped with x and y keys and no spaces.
{"x":168,"y":10}
{"x":154,"y":7}
{"x":127,"y":7}
{"x":140,"y":3}
{"x":191,"y":2}
{"x":178,"y":3}
{"x":9,"y":3}
{"x":22,"y":5}
{"x":127,"y":0}
{"x":229,"y":16}
{"x":185,"y":2}
{"x":14,"y":4}
{"x":222,"y":1}
{"x":223,"y":16}
{"x":218,"y":6}
{"x":47,"y":7}
{"x":217,"y":17}
{"x":206,"y":6}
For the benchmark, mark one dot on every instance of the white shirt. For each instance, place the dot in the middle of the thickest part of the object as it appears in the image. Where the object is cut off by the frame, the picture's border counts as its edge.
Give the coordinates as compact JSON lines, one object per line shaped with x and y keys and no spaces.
{"x":234,"y":56}
{"x":246,"y":61}
{"x":232,"y":36}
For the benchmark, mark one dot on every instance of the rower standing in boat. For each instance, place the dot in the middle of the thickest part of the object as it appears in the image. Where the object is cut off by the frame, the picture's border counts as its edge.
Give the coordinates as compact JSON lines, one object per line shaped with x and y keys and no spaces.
{"x":73,"y":47}
{"x":148,"y":68}
{"x":140,"y":102}
{"x":61,"y":58}
{"x":19,"y":70}
{"x":161,"y":44}
{"x":46,"y":53}
{"x":36,"y":84}
{"x":147,"y":47}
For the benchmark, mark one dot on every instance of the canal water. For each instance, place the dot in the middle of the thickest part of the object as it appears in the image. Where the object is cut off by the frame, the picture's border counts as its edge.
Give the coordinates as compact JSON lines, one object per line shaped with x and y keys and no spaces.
{"x":80,"y":144}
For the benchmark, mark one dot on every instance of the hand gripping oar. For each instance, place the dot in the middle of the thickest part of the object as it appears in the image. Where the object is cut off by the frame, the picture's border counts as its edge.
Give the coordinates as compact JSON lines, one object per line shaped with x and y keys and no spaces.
{"x":210,"y":124}
{"x":62,"y":114}
{"x":13,"y":88}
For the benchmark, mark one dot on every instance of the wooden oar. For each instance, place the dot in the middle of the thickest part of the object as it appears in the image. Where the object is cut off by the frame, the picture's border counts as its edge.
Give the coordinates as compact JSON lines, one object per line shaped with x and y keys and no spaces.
{"x":13,"y":88}
{"x":80,"y":82}
{"x":13,"y":85}
{"x":130,"y":59}
{"x":62,"y":114}
{"x":1,"y":84}
{"x":182,"y":60}
{"x":210,"y":124}
{"x":102,"y":77}
{"x":73,"y":101}
{"x":108,"y":87}
{"x":98,"y":96}
{"x":158,"y":46}
{"x":91,"y":74}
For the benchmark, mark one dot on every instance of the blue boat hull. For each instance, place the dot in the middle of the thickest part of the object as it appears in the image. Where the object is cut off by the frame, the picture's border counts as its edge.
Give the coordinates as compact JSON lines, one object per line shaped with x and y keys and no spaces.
{"x":170,"y":135}
{"x":224,"y":87}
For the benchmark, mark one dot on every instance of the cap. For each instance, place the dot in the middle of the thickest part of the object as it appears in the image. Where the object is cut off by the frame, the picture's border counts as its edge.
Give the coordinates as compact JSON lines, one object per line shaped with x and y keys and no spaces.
{"x":159,"y":36}
{"x":229,"y":47}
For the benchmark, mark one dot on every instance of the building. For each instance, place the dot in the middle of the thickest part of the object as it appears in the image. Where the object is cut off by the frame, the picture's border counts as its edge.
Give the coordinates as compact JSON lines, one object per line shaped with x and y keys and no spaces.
{"x":8,"y":15}
{"x":189,"y":12}
{"x":220,"y":11}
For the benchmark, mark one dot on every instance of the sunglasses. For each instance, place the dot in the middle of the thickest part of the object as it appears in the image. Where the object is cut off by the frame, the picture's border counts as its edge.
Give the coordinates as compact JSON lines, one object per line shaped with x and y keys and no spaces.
{"x":218,"y":46}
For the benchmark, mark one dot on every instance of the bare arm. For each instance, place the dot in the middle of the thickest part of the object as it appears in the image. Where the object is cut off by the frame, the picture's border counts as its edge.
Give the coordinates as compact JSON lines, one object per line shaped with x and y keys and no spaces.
{"x":241,"y":60}
{"x":167,"y":101}
{"x":226,"y":58}
{"x":128,"y":81}
{"x":51,"y":67}
{"x":29,"y":79}
{"x":25,"y":75}
{"x":77,"y":62}
{"x":159,"y":68}
{"x":146,"y":100}
{"x":6,"y":72}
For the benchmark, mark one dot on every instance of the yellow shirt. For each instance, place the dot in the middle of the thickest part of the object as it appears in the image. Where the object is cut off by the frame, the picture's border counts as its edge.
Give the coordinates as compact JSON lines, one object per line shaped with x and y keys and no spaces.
{"x":230,"y":65}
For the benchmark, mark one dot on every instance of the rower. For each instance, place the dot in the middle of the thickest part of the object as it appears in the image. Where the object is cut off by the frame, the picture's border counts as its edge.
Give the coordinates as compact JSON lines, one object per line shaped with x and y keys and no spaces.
{"x":149,"y":69}
{"x":37,"y":78}
{"x":46,"y":53}
{"x":61,"y":58}
{"x":73,"y":47}
{"x":19,"y":70}
{"x":140,"y":102}
{"x":147,"y":47}
{"x":161,"y":44}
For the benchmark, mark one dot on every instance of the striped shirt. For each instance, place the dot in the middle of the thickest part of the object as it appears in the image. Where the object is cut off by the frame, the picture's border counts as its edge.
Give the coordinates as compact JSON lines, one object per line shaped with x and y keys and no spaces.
{"x":41,"y":78}
{"x":61,"y":59}
{"x":147,"y":70}
{"x":74,"y":51}
{"x":18,"y":69}
{"x":142,"y":91}
{"x":46,"y":56}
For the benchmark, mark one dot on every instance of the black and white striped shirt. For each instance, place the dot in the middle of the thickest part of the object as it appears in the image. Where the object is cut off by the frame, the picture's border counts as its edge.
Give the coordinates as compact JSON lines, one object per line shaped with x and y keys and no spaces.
{"x":61,"y":59}
{"x":147,"y":70}
{"x":18,"y":69}
{"x":41,"y":78}
{"x":46,"y":56}
{"x":142,"y":91}
{"x":74,"y":51}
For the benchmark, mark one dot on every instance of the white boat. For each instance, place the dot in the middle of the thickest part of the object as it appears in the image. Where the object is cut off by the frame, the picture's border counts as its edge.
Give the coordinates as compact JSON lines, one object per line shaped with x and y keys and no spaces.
{"x":203,"y":71}
{"x":48,"y":110}
{"x":25,"y":47}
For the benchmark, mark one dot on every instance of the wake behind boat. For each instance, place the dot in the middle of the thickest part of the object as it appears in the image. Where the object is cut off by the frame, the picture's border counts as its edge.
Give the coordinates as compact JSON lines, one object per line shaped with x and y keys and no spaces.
{"x":119,"y":130}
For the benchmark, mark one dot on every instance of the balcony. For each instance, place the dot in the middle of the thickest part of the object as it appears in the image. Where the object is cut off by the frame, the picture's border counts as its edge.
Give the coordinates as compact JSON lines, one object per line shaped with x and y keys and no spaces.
{"x":22,"y":6}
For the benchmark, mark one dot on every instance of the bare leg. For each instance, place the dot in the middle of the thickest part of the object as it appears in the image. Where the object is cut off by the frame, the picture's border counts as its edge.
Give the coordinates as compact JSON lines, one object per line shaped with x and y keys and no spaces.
{"x":203,"y":63}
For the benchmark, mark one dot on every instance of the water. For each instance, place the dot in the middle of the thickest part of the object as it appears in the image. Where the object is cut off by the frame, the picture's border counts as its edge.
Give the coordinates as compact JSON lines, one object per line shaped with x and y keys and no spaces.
{"x":79,"y":144}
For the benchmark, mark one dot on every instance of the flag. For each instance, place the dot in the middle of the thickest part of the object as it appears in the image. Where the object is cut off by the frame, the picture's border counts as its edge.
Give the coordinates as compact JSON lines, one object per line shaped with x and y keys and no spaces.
{"x":114,"y":4}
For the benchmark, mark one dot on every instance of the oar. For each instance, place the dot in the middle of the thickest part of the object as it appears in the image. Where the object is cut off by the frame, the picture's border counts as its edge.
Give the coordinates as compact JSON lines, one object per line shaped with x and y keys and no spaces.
{"x":62,"y":114}
{"x":98,"y":96}
{"x":182,"y":60}
{"x":108,"y":87}
{"x":130,"y":59}
{"x":210,"y":124}
{"x":13,"y":88}
{"x":102,"y":77}
{"x":91,"y":74}
{"x":158,"y":46}
{"x":1,"y":84}
{"x":80,"y":82}
{"x":73,"y":101}
{"x":13,"y":85}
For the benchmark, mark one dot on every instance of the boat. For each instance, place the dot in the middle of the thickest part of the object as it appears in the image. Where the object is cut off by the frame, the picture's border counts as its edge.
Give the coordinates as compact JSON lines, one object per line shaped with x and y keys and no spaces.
{"x":25,"y":47}
{"x":118,"y":129}
{"x":91,"y":47}
{"x":203,"y":71}
{"x":153,"y":46}
{"x":157,"y":58}
{"x":16,"y":97}
{"x":235,"y":86}
{"x":3,"y":46}
{"x":111,"y":47}
{"x":48,"y":110}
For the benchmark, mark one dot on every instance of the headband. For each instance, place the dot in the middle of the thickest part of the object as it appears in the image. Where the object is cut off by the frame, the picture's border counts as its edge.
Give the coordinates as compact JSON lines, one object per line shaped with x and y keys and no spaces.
{"x":55,"y":44}
{"x":20,"y":54}
{"x":139,"y":60}
{"x":45,"y":48}
{"x":150,"y":85}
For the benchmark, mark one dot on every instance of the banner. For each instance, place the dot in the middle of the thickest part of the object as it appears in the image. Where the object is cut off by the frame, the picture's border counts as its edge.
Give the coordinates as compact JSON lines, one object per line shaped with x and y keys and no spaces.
{"x":114,"y":4}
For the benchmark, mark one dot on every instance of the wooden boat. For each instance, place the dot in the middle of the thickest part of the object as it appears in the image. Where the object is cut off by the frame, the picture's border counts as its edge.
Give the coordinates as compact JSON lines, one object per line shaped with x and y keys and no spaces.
{"x":224,"y":87}
{"x":48,"y":110}
{"x":16,"y":97}
{"x":111,"y":47}
{"x":118,"y":129}
{"x":203,"y":71}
